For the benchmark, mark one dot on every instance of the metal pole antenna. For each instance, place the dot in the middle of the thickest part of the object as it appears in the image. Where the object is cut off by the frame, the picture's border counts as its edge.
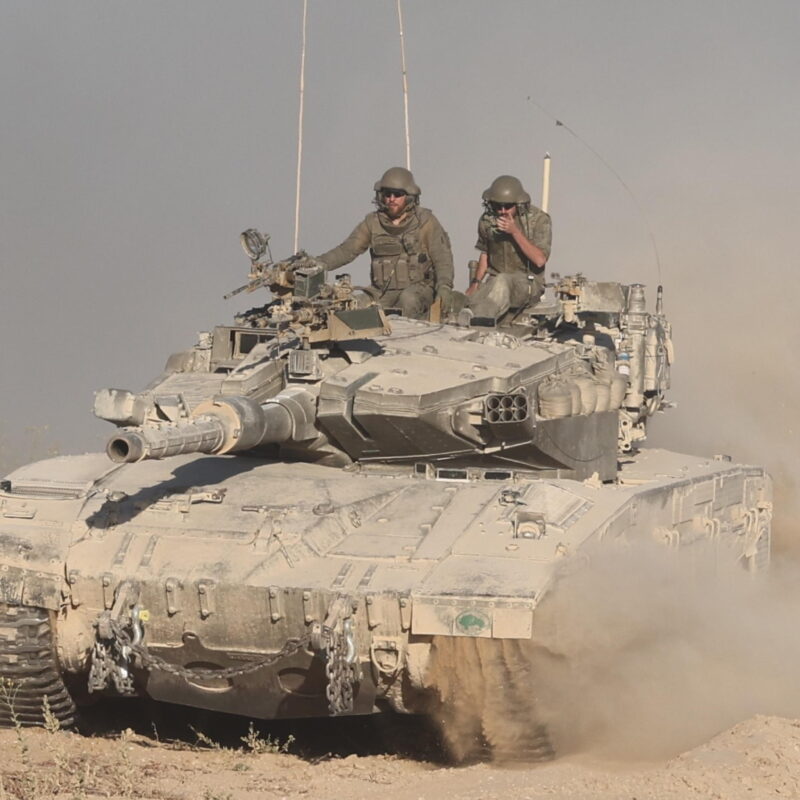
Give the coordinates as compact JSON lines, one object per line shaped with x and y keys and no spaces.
{"x":405,"y":82}
{"x":300,"y":131}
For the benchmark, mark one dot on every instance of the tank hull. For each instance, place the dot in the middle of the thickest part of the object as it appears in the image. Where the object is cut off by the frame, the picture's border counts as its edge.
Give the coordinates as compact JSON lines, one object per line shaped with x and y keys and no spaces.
{"x":229,"y":558}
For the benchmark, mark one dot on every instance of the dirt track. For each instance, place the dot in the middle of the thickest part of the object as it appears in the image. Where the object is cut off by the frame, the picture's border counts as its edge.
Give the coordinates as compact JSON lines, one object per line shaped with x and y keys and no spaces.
{"x":757,"y":758}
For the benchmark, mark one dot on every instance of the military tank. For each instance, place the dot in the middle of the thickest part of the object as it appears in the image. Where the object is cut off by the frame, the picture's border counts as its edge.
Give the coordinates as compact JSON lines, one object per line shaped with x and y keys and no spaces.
{"x":306,"y":503}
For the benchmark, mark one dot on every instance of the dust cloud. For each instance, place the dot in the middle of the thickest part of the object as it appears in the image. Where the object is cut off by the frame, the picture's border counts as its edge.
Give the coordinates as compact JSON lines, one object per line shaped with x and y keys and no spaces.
{"x":485,"y":701}
{"x":639,"y":655}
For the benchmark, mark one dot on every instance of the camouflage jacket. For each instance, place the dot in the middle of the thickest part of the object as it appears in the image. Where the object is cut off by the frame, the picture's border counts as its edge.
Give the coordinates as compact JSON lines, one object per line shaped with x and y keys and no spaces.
{"x":503,"y":253}
{"x":416,"y":251}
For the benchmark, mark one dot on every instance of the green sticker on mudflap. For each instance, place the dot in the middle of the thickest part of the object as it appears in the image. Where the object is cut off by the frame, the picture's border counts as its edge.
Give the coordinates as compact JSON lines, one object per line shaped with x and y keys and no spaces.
{"x":472,"y":623}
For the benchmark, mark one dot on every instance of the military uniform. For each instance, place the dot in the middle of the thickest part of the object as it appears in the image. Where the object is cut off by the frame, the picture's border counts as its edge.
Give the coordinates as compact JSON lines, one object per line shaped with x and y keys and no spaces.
{"x":411,"y":262}
{"x":513,"y":280}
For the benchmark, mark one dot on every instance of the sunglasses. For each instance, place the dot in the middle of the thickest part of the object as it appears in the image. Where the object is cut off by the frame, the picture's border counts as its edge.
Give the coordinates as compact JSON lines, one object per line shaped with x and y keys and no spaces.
{"x":393,"y":193}
{"x":502,"y":206}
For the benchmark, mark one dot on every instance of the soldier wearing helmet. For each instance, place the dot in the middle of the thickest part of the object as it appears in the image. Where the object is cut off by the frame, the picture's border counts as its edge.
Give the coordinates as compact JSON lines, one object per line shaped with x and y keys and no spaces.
{"x":411,"y":258}
{"x":514,"y":242}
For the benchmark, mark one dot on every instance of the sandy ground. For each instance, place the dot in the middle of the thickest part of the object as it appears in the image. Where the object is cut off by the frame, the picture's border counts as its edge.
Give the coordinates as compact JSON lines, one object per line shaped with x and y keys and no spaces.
{"x":757,"y":758}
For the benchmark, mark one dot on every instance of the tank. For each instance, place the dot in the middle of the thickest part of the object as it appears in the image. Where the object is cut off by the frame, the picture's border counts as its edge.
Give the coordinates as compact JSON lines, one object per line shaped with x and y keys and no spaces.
{"x":309,"y":504}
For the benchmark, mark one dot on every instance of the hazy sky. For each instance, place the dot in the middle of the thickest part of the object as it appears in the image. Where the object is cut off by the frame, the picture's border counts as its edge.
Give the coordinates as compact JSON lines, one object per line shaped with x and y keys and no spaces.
{"x":138,"y":138}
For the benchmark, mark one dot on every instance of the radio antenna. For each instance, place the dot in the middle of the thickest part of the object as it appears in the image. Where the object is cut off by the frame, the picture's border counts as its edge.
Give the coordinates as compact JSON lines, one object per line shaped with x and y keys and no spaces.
{"x":405,"y":81}
{"x":300,"y":131}
{"x":636,"y":204}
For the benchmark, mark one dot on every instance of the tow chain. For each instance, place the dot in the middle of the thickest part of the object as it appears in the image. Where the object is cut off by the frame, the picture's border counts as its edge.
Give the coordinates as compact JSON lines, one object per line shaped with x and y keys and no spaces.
{"x":110,"y":664}
{"x":118,"y":647}
{"x":340,"y":669}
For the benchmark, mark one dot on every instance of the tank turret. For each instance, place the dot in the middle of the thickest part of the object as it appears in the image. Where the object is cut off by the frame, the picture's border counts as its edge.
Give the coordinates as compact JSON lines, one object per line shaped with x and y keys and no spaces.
{"x":319,"y":371}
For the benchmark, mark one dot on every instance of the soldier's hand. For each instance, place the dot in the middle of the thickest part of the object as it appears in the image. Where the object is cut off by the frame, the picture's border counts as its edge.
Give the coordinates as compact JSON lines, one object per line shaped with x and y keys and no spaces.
{"x":445,"y":294}
{"x":507,"y":225}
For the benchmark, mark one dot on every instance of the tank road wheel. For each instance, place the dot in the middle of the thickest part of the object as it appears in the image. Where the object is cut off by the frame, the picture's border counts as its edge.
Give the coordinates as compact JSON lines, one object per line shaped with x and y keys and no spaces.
{"x":30,"y":680}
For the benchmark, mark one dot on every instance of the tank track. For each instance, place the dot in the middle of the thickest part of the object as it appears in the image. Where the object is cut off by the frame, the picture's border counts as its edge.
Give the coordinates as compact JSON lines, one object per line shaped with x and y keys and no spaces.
{"x":28,"y":670}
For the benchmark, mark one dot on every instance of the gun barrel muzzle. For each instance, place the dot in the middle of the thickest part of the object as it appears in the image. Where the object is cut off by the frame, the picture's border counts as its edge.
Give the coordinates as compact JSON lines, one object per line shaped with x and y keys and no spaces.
{"x":202,"y":435}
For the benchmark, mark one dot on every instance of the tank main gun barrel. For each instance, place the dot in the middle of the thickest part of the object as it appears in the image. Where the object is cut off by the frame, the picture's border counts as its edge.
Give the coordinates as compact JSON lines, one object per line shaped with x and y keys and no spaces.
{"x":221,"y":425}
{"x":167,"y":439}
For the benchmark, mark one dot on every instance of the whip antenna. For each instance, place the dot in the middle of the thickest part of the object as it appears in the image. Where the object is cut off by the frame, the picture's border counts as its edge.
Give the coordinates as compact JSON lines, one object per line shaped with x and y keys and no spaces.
{"x":405,"y":81}
{"x":300,"y":131}
{"x":636,"y":204}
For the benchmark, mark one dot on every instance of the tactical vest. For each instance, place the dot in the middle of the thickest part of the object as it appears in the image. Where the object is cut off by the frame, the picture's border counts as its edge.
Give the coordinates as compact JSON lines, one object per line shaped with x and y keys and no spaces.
{"x":400,"y":260}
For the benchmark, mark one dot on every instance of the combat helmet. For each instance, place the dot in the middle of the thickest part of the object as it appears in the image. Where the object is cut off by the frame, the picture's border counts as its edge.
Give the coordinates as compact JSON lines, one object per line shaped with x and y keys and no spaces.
{"x":397,"y":178}
{"x":506,"y":189}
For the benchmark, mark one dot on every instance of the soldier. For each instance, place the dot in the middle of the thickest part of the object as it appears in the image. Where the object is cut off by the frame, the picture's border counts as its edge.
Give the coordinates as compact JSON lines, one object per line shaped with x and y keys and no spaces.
{"x":514,"y":240}
{"x":412,"y":263}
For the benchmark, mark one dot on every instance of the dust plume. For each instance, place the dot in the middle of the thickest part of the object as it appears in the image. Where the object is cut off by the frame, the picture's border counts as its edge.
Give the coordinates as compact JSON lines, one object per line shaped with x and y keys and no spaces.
{"x":638,"y":655}
{"x":484,"y":702}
